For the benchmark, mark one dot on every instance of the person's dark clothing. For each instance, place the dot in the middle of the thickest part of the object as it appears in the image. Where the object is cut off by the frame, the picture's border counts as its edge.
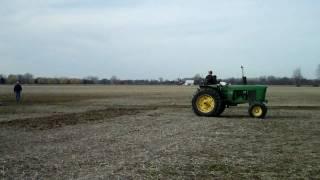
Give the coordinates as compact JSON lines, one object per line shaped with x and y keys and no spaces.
{"x":17,"y":90}
{"x":210,"y":79}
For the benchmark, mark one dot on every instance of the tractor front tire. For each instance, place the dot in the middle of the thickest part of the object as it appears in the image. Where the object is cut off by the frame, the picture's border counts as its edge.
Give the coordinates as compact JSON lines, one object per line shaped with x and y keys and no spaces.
{"x":258,"y":110}
{"x":207,"y":102}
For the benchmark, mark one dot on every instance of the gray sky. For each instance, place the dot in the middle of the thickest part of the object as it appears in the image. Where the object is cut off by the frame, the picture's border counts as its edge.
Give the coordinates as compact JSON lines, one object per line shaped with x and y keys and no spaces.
{"x":144,"y":39}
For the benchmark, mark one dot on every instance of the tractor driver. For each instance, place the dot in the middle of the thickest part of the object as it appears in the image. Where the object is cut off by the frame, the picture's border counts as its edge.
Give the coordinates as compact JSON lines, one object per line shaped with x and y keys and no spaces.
{"x":211,"y":79}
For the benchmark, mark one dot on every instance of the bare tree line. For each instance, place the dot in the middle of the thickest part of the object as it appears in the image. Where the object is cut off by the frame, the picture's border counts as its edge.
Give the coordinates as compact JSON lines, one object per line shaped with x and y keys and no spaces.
{"x":27,"y":78}
{"x":297,"y":79}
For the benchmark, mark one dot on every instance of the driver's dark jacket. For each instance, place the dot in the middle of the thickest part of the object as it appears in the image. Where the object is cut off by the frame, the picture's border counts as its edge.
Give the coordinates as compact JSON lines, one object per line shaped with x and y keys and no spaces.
{"x":210,"y":79}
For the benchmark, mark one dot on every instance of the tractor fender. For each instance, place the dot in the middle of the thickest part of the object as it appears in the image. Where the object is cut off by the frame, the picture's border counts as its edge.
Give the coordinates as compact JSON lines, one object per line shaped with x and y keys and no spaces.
{"x":209,"y":87}
{"x":215,"y":87}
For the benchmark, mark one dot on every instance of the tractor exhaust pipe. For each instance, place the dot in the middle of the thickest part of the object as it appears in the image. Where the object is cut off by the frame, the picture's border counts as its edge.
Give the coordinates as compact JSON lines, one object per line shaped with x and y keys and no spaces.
{"x":244,"y":78}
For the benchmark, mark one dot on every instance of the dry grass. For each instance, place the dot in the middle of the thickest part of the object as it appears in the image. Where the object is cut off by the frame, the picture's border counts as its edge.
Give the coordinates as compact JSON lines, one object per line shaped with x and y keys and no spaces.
{"x":94,"y":132}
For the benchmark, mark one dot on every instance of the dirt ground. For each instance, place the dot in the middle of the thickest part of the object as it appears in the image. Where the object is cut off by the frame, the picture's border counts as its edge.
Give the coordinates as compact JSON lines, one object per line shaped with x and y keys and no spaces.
{"x":150,"y":132}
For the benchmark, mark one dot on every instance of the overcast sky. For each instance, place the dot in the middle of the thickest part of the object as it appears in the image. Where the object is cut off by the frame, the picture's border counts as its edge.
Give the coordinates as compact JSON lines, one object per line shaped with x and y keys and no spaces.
{"x":144,"y":39}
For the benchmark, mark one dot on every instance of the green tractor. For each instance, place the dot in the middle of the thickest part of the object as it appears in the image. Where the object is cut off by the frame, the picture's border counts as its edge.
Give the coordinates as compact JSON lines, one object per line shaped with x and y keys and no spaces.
{"x":211,"y":100}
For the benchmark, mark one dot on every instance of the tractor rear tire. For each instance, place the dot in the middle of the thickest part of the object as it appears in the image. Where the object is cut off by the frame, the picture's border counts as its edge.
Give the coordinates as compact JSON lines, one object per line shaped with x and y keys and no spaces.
{"x":258,"y":110}
{"x":222,"y":108}
{"x":207,"y":102}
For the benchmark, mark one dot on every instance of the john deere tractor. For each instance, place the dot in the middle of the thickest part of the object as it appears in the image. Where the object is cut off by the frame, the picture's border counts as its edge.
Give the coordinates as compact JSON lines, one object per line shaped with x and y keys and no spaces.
{"x":212,"y":100}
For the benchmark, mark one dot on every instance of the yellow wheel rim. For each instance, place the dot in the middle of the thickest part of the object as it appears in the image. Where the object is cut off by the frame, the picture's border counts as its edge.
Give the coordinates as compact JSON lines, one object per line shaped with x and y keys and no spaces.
{"x":205,"y":103}
{"x":257,"y":111}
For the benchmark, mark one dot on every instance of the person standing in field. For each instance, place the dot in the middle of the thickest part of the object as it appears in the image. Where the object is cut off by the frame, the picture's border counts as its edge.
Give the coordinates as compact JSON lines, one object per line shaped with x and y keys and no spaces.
{"x":211,"y":79}
{"x":17,"y":90}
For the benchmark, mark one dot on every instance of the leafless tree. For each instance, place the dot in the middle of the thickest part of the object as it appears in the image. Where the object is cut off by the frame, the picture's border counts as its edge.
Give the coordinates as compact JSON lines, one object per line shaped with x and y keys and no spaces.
{"x":27,"y":78}
{"x":3,"y":79}
{"x":114,"y":80}
{"x":318,"y":72}
{"x":91,"y":80}
{"x":12,"y":78}
{"x":297,"y":76}
{"x":197,"y":79}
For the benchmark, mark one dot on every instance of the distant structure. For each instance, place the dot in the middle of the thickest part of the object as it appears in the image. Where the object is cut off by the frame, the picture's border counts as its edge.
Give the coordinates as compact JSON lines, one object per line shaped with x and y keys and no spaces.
{"x":189,"y":82}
